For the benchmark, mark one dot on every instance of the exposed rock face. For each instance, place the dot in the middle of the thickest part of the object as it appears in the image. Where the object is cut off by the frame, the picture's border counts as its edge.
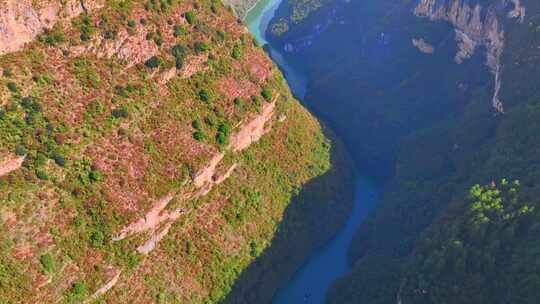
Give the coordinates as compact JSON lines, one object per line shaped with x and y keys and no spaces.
{"x":475,"y":26}
{"x":22,"y":21}
{"x":253,"y":130}
{"x":204,"y":180}
{"x":10,"y":163}
{"x":423,"y":46}
{"x":105,"y":287}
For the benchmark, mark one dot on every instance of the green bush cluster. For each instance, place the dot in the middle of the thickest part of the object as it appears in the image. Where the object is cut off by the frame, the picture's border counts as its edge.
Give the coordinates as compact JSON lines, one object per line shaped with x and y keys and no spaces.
{"x":190,"y":17}
{"x":47,"y":262}
{"x":223,"y":134}
{"x":201,"y":47}
{"x":87,"y":28}
{"x":179,"y":53}
{"x":236,"y":52}
{"x":153,"y":62}
{"x":266,"y":93}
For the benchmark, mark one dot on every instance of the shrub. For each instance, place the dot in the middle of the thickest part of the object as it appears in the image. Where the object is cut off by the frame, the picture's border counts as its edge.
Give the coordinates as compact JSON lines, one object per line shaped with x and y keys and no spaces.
{"x":236,"y":52}
{"x":254,"y":249}
{"x":266,"y":94}
{"x":31,"y":104}
{"x":12,"y":86}
{"x":40,"y":160}
{"x":256,"y":100}
{"x":47,"y":262}
{"x":225,"y":128}
{"x":120,"y":113}
{"x":190,"y":17}
{"x":224,"y":132}
{"x":59,"y":159}
{"x":87,"y":28}
{"x":201,"y":47}
{"x":132,"y":23}
{"x":78,"y":292}
{"x":222,"y":139}
{"x":121,"y":91}
{"x":221,"y":35}
{"x":95,"y":176}
{"x":20,"y":150}
{"x":210,"y":121}
{"x":179,"y":63}
{"x":30,"y":119}
{"x":53,"y":37}
{"x":178,"y":51}
{"x":42,"y":174}
{"x":179,"y":30}
{"x":153,"y":62}
{"x":196,"y":124}
{"x":198,"y":135}
{"x":189,"y":247}
{"x":110,"y":34}
{"x":7,"y":72}
{"x":97,"y":239}
{"x":204,"y":95}
{"x":158,"y":40}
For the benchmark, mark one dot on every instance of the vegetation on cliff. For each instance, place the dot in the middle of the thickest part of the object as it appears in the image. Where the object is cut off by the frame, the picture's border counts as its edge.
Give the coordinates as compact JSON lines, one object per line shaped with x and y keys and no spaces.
{"x":142,"y":158}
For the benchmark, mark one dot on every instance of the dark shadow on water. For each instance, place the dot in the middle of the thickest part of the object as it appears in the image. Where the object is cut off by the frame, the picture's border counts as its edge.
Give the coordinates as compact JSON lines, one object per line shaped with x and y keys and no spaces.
{"x":312,"y":219}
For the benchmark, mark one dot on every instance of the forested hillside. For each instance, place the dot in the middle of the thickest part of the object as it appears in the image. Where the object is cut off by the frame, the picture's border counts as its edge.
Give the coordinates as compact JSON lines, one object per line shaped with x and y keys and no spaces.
{"x":149,"y":152}
{"x":433,"y":97}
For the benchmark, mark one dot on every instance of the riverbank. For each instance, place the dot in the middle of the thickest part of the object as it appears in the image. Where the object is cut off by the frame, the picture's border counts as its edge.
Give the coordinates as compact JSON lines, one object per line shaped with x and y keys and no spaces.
{"x":314,"y":270}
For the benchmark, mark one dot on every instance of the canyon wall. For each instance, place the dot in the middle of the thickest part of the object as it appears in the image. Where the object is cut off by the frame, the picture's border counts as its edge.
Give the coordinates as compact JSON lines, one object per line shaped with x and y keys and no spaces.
{"x":417,"y":91}
{"x":476,"y":26}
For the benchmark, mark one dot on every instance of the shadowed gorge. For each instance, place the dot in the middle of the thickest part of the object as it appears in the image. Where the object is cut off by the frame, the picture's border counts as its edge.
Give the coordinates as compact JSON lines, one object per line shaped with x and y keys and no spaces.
{"x":425,"y":94}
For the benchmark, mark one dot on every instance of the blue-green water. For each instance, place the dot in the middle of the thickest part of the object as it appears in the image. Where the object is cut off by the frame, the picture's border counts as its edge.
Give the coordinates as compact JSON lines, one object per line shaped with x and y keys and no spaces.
{"x":312,"y":281}
{"x":259,"y":17}
{"x":258,"y":20}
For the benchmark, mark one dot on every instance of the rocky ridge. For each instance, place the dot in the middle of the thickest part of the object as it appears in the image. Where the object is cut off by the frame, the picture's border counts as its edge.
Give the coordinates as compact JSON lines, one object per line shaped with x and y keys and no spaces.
{"x":127,"y":133}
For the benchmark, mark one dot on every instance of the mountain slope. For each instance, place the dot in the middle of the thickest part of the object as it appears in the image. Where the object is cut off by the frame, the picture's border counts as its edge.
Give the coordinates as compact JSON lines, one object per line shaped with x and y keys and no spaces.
{"x":148,"y":151}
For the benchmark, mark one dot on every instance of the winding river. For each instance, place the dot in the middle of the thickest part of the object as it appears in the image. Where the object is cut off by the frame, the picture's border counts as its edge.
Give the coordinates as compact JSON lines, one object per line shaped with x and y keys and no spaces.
{"x":329,"y":262}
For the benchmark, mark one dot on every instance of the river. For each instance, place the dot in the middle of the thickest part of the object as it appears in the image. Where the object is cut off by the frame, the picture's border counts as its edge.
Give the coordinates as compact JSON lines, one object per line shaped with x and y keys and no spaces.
{"x":329,"y":262}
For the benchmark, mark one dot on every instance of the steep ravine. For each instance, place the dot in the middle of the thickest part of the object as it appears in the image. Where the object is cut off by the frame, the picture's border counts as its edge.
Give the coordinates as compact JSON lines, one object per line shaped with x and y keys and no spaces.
{"x":305,"y":274}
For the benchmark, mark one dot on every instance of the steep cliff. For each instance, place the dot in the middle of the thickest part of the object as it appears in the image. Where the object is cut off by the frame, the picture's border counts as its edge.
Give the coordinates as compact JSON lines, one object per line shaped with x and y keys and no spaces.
{"x":148,"y":151}
{"x":476,"y":26}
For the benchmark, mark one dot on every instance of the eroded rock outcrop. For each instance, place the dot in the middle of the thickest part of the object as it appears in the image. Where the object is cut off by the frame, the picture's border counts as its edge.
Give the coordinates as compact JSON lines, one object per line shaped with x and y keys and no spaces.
{"x":101,"y":291}
{"x":10,"y":163}
{"x":22,"y":21}
{"x":476,"y":26}
{"x":423,"y":46}
{"x":204,"y":180}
